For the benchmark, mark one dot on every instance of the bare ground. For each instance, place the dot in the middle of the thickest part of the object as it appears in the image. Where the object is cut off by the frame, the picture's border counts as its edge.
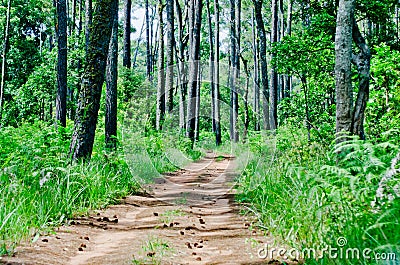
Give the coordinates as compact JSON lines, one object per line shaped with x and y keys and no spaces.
{"x":188,"y":217}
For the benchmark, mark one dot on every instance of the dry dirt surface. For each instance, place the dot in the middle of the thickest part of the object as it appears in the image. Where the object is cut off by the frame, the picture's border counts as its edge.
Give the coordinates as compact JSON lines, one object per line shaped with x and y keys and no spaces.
{"x":187,"y":217}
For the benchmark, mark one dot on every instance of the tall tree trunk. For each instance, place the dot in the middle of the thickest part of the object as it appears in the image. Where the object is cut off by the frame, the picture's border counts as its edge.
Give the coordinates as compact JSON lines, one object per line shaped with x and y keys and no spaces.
{"x":343,"y":52}
{"x":181,"y":65}
{"x":235,"y":6}
{"x":274,"y":75}
{"x":195,"y":10}
{"x":197,"y":116}
{"x":161,"y":75}
{"x":73,"y":24}
{"x":169,"y":78}
{"x":211,"y":64}
{"x":216,"y":96}
{"x":92,"y":82}
{"x":111,"y":83}
{"x":61,"y":100}
{"x":4,"y":57}
{"x":138,"y":43}
{"x":288,"y":83}
{"x":126,"y":60}
{"x":263,"y":59}
{"x":148,"y":44}
{"x":88,"y":22}
{"x":245,"y":99}
{"x":256,"y":79}
{"x":363,"y":61}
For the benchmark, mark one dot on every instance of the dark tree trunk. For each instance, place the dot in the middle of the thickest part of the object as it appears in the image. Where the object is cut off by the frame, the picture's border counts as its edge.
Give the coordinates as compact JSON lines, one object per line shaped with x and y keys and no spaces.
{"x":61,"y":100}
{"x":92,"y":82}
{"x":216,"y":96}
{"x":245,"y":99}
{"x":263,"y":59}
{"x":343,"y":52}
{"x":182,"y":67}
{"x":169,"y":78}
{"x":196,"y":11}
{"x":88,"y":22}
{"x":148,"y":44}
{"x":73,"y":21}
{"x":288,"y":83}
{"x":235,"y":67}
{"x":211,"y":64}
{"x":111,"y":83}
{"x":274,"y":75}
{"x":256,"y":79}
{"x":160,"y":112}
{"x":126,"y":60}
{"x":3,"y":60}
{"x":363,"y":61}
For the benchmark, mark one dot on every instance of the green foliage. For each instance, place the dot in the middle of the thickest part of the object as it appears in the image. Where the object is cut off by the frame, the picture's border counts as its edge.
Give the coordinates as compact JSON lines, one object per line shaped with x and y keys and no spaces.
{"x":40,"y":189}
{"x":307,"y":197}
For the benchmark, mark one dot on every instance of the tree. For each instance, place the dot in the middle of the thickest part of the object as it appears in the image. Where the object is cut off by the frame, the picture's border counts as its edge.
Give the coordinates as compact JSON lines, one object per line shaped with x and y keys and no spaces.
{"x":88,"y":21}
{"x":343,"y":52}
{"x":92,"y":82}
{"x":263,"y":59}
{"x":148,"y":42}
{"x":126,"y":61}
{"x":61,"y":100}
{"x":274,"y":75}
{"x":256,"y":79}
{"x":160,"y":112}
{"x":195,"y":12}
{"x":169,"y":78}
{"x":111,"y":83}
{"x":215,"y":88}
{"x":3,"y":61}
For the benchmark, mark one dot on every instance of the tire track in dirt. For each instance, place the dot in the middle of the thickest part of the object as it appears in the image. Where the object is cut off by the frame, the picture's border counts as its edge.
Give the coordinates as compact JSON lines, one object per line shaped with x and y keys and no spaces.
{"x":189,"y":217}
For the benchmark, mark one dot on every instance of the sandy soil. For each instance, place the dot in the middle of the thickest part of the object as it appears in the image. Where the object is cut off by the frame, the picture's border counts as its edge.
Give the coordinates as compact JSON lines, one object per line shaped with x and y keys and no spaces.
{"x":188,"y":217}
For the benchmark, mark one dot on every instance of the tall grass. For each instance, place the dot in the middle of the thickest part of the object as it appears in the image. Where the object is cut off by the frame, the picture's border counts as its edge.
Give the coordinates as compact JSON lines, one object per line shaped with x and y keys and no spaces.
{"x":40,"y":188}
{"x":308,"y":197}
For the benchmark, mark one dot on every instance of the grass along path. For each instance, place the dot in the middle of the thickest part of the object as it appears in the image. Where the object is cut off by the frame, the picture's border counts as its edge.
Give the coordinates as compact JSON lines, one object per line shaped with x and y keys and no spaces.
{"x":190,"y":217}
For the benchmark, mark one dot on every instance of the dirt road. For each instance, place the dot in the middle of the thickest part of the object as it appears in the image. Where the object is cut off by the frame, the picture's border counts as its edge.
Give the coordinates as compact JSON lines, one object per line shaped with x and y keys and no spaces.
{"x":190,"y":217}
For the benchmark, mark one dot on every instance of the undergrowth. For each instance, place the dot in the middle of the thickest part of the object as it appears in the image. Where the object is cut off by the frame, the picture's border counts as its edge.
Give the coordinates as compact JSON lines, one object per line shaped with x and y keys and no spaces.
{"x":309,"y":197}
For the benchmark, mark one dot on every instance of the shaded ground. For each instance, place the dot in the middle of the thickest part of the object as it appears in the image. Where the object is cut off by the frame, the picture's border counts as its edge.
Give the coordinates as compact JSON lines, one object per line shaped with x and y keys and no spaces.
{"x":189,"y":217}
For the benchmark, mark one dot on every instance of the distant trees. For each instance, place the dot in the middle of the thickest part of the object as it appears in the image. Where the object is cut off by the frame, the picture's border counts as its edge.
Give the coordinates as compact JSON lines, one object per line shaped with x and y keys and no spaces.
{"x":3,"y":59}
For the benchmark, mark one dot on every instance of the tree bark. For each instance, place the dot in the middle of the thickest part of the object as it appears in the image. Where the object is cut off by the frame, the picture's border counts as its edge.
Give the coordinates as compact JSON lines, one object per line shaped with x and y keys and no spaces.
{"x":263,"y":59}
{"x":61,"y":100}
{"x":211,"y":64}
{"x":4,"y":57}
{"x":343,"y":52}
{"x":148,"y":43}
{"x":161,"y":75}
{"x":169,"y":78}
{"x":88,"y":22}
{"x":111,"y":83}
{"x":274,"y":74}
{"x":126,"y":60}
{"x":92,"y":82}
{"x":256,"y":79}
{"x":363,"y":61}
{"x":216,"y":95}
{"x":288,"y":83}
{"x":195,"y":10}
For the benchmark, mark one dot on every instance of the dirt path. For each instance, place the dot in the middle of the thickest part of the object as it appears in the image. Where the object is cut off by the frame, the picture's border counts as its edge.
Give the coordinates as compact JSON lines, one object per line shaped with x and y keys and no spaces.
{"x":190,"y":218}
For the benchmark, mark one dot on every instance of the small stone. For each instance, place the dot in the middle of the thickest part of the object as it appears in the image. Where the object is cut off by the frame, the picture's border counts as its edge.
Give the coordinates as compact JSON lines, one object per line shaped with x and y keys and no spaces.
{"x":86,"y":237}
{"x":80,"y":249}
{"x":155,"y":214}
{"x":198,"y":259}
{"x":182,"y":233}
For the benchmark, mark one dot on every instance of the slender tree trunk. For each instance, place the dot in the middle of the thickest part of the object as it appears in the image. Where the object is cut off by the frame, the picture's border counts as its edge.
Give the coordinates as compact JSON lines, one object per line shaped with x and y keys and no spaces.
{"x":88,"y":22}
{"x":73,"y":25}
{"x":288,"y":83}
{"x":182,"y":68}
{"x":245,"y":99}
{"x":256,"y":79}
{"x":263,"y":59}
{"x":126,"y":60}
{"x":148,"y":44}
{"x":111,"y":83}
{"x":232,"y":72}
{"x":161,"y":75}
{"x":363,"y":61}
{"x":211,"y":64}
{"x":3,"y":61}
{"x":92,"y":82}
{"x":138,"y":43}
{"x":343,"y":52}
{"x":197,"y":119}
{"x":274,"y":74}
{"x":169,"y":79}
{"x":235,"y":65}
{"x":195,"y":10}
{"x":216,"y":96}
{"x":61,"y":100}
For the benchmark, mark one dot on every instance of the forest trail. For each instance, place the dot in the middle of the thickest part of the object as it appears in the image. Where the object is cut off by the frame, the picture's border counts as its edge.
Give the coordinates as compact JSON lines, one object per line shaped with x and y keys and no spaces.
{"x":190,"y":217}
